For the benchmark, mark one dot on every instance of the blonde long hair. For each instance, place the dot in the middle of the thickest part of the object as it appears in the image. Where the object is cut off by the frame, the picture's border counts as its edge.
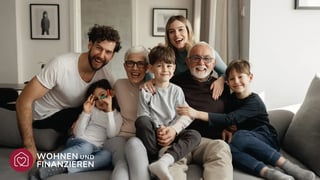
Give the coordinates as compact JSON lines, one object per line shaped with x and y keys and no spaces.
{"x":187,"y":23}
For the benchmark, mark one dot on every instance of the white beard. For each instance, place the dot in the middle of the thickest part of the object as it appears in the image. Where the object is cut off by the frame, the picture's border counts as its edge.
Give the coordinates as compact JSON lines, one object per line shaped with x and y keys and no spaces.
{"x":204,"y":73}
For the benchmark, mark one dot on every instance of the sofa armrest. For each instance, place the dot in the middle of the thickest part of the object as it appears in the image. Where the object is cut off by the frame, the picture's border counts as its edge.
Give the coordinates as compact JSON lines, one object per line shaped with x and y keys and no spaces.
{"x":281,"y":120}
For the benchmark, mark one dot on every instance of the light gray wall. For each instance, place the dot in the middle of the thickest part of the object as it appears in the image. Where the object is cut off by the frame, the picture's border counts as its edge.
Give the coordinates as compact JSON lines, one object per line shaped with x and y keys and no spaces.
{"x":8,"y":45}
{"x":284,"y":50}
{"x":284,"y":44}
{"x":32,"y":53}
{"x":111,"y":13}
{"x":144,"y":19}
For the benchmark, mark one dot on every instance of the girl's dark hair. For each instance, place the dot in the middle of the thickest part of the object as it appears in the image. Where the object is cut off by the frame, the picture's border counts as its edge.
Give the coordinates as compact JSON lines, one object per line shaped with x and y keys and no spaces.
{"x":104,"y":84}
{"x":99,"y":33}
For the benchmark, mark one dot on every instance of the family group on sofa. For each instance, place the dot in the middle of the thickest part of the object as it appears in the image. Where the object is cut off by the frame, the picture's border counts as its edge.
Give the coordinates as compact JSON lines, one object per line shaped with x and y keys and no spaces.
{"x":171,"y":109}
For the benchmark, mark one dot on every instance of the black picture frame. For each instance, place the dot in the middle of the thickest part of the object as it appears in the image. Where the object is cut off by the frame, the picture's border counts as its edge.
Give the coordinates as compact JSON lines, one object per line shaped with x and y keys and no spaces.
{"x":307,"y":4}
{"x":42,"y":28}
{"x":160,"y":17}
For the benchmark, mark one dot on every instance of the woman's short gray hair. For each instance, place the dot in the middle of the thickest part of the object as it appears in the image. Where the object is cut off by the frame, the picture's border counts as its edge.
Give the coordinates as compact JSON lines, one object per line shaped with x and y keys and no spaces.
{"x":137,"y":50}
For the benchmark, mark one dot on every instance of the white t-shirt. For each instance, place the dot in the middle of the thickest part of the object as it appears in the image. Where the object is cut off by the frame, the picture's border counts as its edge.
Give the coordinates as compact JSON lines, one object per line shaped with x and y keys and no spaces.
{"x":66,"y":88}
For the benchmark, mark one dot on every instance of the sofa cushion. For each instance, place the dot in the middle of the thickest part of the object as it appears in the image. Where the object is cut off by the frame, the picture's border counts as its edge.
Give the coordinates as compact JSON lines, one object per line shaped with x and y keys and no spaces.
{"x":280,"y":120}
{"x":303,"y":135}
{"x":46,"y":139}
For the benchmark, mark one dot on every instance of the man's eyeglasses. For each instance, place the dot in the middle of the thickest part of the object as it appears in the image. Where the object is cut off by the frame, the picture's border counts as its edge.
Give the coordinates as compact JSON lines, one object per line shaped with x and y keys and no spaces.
{"x":197,"y":59}
{"x":131,"y":64}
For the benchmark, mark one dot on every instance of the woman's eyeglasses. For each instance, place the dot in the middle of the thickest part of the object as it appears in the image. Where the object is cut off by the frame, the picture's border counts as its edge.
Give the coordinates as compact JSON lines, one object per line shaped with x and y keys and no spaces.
{"x":131,"y":64}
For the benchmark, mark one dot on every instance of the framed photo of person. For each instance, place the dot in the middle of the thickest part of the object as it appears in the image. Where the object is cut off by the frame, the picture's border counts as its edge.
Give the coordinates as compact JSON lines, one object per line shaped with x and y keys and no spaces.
{"x":44,"y":21}
{"x":160,"y":17}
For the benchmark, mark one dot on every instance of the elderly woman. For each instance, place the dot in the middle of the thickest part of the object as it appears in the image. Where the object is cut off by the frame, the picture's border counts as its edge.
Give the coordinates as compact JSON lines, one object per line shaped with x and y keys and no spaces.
{"x":130,"y":158}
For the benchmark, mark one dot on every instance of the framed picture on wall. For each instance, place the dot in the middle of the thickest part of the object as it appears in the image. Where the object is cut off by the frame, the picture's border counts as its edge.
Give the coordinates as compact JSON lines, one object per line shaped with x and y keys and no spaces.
{"x":160,"y":17}
{"x":44,"y":21}
{"x":307,"y":4}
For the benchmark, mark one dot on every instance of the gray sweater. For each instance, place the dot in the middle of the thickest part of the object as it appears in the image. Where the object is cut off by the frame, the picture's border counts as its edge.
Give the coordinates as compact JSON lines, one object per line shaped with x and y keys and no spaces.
{"x":161,"y":107}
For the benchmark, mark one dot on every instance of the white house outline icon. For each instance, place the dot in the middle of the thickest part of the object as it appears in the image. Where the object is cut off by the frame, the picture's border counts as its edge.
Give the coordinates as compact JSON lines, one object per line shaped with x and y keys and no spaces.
{"x":17,"y":164}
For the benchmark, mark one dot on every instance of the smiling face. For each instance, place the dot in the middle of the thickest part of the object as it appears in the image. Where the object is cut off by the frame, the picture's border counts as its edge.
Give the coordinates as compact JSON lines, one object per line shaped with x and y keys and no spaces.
{"x":136,"y":72}
{"x":100,"y":53}
{"x":200,"y":69}
{"x":239,"y":82}
{"x":100,"y":94}
{"x":178,"y":35}
{"x":163,"y":72}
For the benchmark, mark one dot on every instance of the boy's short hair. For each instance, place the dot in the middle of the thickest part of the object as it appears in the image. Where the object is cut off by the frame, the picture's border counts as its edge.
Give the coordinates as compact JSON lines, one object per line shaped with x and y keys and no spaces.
{"x":239,"y":65}
{"x":99,"y":33}
{"x":162,"y":53}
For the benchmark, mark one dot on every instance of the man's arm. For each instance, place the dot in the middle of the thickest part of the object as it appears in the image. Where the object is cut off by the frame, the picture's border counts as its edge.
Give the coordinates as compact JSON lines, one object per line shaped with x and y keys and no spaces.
{"x":32,"y":91}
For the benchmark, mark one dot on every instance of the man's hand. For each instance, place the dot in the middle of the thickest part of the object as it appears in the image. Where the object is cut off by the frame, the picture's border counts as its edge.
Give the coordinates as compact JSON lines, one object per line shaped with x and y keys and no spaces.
{"x":33,"y":151}
{"x":217,"y":88}
{"x":226,"y":136}
{"x":166,"y":135}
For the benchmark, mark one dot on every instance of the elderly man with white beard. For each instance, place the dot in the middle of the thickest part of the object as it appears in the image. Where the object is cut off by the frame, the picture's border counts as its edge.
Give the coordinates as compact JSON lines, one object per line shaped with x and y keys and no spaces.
{"x":212,"y":154}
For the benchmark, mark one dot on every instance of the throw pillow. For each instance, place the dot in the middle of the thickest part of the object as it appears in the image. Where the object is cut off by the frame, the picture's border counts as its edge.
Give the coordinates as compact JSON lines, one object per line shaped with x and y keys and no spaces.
{"x":303,"y":136}
{"x":46,"y":139}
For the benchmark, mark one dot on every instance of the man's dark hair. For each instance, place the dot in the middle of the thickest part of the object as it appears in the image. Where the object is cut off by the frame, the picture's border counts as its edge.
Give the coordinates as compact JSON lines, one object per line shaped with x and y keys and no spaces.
{"x":99,"y":33}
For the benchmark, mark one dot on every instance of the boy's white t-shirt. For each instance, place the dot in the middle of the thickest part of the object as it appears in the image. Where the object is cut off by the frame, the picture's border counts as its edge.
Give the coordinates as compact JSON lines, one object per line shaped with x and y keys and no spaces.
{"x":66,"y":88}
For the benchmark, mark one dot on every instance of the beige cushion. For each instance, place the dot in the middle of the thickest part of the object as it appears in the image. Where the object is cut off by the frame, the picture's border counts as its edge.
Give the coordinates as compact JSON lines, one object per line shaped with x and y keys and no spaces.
{"x":303,"y":136}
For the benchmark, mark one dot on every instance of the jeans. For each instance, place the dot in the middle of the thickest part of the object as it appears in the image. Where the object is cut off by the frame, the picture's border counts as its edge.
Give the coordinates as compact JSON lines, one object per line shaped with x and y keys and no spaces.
{"x":252,"y":150}
{"x":81,"y":148}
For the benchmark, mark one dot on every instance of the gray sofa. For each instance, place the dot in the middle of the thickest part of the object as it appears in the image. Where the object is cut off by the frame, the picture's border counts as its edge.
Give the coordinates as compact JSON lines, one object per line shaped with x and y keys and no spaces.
{"x":281,"y":119}
{"x":299,"y":135}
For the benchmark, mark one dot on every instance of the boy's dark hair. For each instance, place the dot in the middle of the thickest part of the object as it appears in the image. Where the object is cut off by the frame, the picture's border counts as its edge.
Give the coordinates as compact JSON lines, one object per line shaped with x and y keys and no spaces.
{"x":239,"y":65}
{"x":104,"y":84}
{"x":162,"y":53}
{"x":99,"y":33}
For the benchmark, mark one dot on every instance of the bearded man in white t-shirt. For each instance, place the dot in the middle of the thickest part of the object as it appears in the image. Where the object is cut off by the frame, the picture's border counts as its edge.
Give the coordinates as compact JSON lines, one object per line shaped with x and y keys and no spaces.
{"x":53,"y":98}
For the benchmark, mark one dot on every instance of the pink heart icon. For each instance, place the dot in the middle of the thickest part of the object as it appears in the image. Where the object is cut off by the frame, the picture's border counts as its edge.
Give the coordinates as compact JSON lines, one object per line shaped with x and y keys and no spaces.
{"x":21,"y":161}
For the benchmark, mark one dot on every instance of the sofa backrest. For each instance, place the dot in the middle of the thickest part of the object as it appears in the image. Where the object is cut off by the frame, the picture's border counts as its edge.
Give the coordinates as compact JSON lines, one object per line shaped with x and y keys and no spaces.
{"x":281,"y":120}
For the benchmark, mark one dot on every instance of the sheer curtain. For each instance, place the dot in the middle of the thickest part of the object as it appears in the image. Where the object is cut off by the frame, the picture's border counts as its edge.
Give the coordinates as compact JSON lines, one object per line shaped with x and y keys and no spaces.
{"x":219,"y":26}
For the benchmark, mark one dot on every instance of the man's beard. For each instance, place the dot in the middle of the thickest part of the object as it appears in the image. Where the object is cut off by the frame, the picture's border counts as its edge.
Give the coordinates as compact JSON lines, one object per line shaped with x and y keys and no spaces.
{"x":198,"y":75}
{"x":93,"y":58}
